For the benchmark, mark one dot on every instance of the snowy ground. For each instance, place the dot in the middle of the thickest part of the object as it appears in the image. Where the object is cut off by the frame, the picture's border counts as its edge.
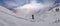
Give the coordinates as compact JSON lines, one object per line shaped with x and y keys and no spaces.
{"x":48,"y":18}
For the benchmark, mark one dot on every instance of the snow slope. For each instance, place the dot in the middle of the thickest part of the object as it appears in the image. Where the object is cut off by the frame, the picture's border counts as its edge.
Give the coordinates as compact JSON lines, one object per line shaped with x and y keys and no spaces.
{"x":43,"y":17}
{"x":49,"y":18}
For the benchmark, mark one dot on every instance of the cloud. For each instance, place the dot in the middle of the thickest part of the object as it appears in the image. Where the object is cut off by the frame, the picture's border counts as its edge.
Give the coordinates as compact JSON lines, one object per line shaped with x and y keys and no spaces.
{"x":33,"y":5}
{"x":14,"y":3}
{"x":11,"y":4}
{"x":31,"y":8}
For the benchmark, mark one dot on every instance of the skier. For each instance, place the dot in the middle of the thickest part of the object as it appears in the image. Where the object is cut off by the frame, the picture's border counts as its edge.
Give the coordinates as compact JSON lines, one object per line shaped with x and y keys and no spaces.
{"x":33,"y":17}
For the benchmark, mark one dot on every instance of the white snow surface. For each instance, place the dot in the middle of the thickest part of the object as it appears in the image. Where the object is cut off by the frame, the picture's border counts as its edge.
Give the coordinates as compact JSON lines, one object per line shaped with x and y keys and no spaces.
{"x":47,"y":18}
